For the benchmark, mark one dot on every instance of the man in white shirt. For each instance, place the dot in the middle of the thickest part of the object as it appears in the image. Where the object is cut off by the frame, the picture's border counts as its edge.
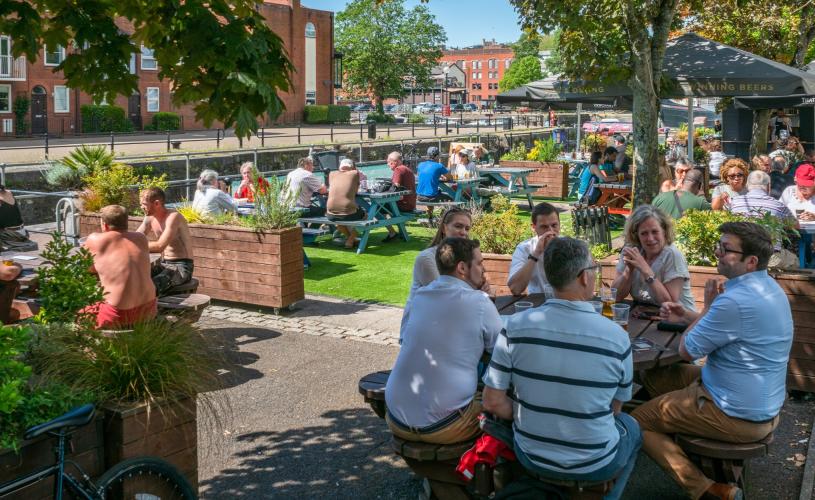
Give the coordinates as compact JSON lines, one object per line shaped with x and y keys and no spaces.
{"x":432,"y":392}
{"x":302,"y":184}
{"x":526,"y":270}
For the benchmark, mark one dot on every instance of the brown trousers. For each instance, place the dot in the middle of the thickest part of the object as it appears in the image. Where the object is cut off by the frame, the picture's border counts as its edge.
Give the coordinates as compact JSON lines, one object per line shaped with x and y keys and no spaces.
{"x":681,"y":405}
{"x":464,"y":428}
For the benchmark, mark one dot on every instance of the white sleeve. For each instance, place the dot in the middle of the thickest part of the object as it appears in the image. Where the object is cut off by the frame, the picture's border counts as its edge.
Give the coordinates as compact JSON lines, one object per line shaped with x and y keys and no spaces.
{"x":519,"y":258}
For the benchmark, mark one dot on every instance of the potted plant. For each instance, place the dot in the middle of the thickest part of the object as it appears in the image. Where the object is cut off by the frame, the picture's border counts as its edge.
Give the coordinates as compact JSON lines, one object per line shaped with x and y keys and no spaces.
{"x":697,"y":235}
{"x":499,"y":232}
{"x":548,"y":170}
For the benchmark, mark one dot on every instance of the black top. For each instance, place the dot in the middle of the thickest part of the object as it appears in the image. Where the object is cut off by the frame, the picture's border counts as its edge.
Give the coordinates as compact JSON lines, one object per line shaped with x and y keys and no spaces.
{"x":779,"y":182}
{"x":10,"y":215}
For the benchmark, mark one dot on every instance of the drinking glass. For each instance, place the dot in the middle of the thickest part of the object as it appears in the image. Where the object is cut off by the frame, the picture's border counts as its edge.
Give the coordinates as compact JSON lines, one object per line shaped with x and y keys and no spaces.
{"x":620,"y":314}
{"x":608,"y":296}
{"x":522,"y":306}
{"x":598,"y":306}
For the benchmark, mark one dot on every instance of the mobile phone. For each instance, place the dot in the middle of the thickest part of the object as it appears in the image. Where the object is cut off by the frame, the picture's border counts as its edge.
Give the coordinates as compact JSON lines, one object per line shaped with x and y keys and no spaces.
{"x":667,"y":326}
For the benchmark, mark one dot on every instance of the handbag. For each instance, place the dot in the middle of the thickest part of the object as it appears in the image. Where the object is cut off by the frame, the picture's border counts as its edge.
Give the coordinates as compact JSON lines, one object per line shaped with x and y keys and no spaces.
{"x":382,"y":186}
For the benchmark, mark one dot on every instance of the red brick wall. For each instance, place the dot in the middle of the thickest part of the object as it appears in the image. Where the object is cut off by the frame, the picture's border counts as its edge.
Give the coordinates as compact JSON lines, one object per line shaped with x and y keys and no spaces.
{"x":498,"y":52}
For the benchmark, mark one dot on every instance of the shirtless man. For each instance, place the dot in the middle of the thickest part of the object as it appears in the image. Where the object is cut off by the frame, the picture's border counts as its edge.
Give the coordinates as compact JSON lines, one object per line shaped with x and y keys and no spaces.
{"x":172,"y":241}
{"x":122,"y":260}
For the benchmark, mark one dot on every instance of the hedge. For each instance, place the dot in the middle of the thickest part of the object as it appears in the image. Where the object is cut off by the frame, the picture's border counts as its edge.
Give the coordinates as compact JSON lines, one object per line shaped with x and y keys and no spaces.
{"x":326,"y":114}
{"x":165,"y":120}
{"x":104,"y":118}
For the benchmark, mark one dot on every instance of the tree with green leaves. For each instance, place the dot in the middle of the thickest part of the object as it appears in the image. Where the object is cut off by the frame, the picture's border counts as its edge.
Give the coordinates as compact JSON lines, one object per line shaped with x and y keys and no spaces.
{"x":220,"y":55}
{"x":384,"y":45}
{"x":527,"y":45}
{"x":615,"y":41}
{"x":521,"y":71}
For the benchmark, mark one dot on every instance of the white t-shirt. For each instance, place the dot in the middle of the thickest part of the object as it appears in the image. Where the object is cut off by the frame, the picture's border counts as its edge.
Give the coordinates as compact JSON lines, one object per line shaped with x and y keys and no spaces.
{"x":519,"y":259}
{"x":715,"y":163}
{"x":468,"y":171}
{"x":303,"y":182}
{"x":790,"y":198}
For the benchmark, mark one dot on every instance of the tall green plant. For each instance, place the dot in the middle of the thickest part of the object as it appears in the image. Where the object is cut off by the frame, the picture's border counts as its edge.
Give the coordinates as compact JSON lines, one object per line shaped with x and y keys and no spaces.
{"x":517,"y":153}
{"x":69,"y":173}
{"x":21,"y":105}
{"x":118,"y":185}
{"x":501,"y":230}
{"x":544,"y":151}
{"x":66,"y":283}
{"x":274,"y":206}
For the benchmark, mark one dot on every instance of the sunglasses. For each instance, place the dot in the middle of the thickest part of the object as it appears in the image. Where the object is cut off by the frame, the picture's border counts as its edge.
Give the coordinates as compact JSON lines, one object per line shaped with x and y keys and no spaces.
{"x":735,"y":176}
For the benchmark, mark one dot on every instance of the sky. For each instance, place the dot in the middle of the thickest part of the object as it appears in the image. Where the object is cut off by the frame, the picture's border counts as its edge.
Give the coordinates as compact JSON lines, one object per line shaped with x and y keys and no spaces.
{"x":466,"y":22}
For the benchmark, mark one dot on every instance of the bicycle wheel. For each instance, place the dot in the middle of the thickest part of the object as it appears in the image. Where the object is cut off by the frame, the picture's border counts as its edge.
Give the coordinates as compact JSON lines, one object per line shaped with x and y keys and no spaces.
{"x":144,"y":478}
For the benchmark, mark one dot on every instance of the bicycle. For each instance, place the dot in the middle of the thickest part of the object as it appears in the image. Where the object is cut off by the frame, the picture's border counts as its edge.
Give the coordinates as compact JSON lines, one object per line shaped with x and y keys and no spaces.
{"x":142,"y":478}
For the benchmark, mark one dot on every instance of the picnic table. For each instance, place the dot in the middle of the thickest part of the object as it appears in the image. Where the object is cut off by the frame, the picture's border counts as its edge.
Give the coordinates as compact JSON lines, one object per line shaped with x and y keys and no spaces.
{"x":511,"y":181}
{"x":377,"y":206}
{"x":615,"y":195}
{"x":651,"y":347}
{"x":457,"y":188}
{"x":805,"y":243}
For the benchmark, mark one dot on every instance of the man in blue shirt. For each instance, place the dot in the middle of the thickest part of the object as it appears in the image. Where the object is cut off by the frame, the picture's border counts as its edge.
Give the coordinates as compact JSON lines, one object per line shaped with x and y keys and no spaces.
{"x":430,"y":173}
{"x":745,"y":331}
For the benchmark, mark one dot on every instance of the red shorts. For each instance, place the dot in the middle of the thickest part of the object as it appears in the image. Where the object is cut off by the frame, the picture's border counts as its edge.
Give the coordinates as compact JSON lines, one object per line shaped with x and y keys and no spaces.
{"x":108,"y":316}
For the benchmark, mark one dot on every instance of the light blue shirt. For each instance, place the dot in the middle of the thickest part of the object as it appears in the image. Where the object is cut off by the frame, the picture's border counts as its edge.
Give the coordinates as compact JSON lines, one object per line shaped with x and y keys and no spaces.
{"x":746,"y":336}
{"x":447,"y":326}
{"x":566,"y":363}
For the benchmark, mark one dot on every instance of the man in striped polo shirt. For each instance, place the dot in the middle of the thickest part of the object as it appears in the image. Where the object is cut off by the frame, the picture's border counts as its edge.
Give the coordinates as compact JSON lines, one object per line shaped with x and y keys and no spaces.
{"x":571,"y":369}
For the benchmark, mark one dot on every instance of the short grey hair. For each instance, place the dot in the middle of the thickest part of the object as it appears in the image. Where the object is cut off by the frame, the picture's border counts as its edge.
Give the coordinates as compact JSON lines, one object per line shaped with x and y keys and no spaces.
{"x":683,"y":161}
{"x":208,"y":177}
{"x":564,"y":259}
{"x":347,"y":163}
{"x":396,"y":155}
{"x":758,"y":179}
{"x":779,"y":163}
{"x":306,"y":160}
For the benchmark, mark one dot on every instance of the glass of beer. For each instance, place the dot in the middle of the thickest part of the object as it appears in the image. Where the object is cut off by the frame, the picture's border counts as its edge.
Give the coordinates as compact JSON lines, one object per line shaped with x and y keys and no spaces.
{"x":608,"y":296}
{"x":620,"y":177}
{"x":620,"y":314}
{"x":8,"y":262}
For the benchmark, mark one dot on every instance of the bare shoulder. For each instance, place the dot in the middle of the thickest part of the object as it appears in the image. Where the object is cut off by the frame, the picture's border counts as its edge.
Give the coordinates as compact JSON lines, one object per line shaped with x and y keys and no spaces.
{"x":176,"y":219}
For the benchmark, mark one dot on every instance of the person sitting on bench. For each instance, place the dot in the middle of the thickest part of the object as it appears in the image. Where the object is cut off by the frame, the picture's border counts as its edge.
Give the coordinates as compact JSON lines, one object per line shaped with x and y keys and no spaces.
{"x":526,"y":270}
{"x":746,"y":333}
{"x":302,"y":184}
{"x":251,"y":180}
{"x":209,"y":199}
{"x":341,"y":205}
{"x":13,"y":235}
{"x":430,"y":173}
{"x":431,"y":393}
{"x":173,"y":241}
{"x":121,"y":258}
{"x":8,"y":291}
{"x":401,"y":178}
{"x":572,"y":370}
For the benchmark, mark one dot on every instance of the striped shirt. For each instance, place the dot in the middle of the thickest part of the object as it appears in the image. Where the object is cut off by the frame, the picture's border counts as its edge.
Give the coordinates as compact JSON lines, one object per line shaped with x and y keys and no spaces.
{"x":566,"y":363}
{"x":757,"y":202}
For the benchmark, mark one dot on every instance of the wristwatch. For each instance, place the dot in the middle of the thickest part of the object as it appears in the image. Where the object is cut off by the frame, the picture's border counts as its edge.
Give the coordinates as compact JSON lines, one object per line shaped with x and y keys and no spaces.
{"x":650,"y":279}
{"x":532,"y":257}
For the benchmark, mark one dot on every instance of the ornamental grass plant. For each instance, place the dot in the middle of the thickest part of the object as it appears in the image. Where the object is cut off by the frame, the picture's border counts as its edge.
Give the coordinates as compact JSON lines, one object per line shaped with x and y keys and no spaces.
{"x":501,"y":230}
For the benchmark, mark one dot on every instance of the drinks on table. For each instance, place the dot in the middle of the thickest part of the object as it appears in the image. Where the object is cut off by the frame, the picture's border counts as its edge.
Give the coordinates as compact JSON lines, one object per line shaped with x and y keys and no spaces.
{"x":608,"y":296}
{"x":620,"y":314}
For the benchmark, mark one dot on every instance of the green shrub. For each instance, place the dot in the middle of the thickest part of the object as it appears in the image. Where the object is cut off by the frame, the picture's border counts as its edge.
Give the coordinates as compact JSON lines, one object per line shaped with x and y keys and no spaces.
{"x":517,"y":153}
{"x":66,"y":284}
{"x":81,"y":162}
{"x":501,"y":230}
{"x":273,"y":208}
{"x":339,"y":114}
{"x":315,"y":114}
{"x":21,"y":105}
{"x":416,"y":118}
{"x":165,"y":120}
{"x":118,"y":185}
{"x":104,"y":118}
{"x":380,"y":118}
{"x":546,"y":150}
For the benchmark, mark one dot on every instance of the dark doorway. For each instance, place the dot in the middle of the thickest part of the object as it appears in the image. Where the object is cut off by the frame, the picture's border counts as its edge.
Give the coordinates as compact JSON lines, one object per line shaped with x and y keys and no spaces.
{"x":39,"y":110}
{"x":134,"y":110}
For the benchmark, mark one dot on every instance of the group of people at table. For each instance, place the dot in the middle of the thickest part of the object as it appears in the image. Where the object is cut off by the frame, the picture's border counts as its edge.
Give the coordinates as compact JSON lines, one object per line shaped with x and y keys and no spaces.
{"x":561,"y":372}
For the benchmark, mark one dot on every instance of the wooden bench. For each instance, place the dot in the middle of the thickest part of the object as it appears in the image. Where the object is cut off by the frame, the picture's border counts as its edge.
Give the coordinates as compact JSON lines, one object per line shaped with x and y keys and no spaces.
{"x":363,"y":227}
{"x":184,"y":288}
{"x":372,"y":388}
{"x":188,"y":307}
{"x":310,"y":235}
{"x":437,"y":463}
{"x":720,"y":461}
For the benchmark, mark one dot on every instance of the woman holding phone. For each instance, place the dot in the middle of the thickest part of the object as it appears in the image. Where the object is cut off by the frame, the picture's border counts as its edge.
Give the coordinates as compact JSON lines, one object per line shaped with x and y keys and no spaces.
{"x":651,"y":269}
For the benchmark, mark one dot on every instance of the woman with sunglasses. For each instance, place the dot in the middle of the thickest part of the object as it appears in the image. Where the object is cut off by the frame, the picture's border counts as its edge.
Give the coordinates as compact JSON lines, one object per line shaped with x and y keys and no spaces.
{"x":681,"y":168}
{"x":454,"y":223}
{"x":734,"y":174}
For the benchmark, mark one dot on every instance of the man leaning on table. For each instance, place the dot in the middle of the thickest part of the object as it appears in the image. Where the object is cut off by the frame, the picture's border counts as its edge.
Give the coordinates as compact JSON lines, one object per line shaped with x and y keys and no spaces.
{"x":745,"y":330}
{"x":526,"y":270}
{"x":571,"y":370}
{"x":432,"y":393}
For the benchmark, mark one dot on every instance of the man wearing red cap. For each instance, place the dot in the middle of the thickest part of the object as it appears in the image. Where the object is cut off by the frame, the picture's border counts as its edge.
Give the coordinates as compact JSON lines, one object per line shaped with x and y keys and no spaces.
{"x":798,"y":198}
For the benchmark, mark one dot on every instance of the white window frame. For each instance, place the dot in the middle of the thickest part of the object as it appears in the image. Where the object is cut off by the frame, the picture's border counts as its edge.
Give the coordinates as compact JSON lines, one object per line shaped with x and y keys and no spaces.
{"x":475,"y":75}
{"x":132,"y":66}
{"x":480,"y":75}
{"x":507,"y":62}
{"x":8,"y":90}
{"x":157,"y":99}
{"x":148,"y":55}
{"x":60,"y":50}
{"x":67,"y":108}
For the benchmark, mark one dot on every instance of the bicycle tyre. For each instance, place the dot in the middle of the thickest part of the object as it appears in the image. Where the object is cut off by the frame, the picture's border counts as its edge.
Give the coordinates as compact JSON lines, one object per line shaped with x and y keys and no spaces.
{"x":144,"y":478}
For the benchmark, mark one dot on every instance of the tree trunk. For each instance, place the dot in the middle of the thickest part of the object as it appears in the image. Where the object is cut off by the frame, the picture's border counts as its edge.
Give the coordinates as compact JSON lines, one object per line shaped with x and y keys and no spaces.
{"x":758,"y":141}
{"x":806,"y":33}
{"x":380,"y":107}
{"x":646,"y":138}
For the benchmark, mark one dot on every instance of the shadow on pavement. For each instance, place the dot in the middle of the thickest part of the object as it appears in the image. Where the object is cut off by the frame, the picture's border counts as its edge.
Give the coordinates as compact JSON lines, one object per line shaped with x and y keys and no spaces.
{"x":233,"y":369}
{"x":348,"y":456}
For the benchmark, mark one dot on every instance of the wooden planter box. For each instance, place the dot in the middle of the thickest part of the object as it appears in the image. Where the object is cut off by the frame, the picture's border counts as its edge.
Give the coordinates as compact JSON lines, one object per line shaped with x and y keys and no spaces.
{"x":496,"y":267}
{"x":800,"y":290}
{"x":168,"y":431}
{"x":86,"y":449}
{"x":239,"y":264}
{"x":555,"y":176}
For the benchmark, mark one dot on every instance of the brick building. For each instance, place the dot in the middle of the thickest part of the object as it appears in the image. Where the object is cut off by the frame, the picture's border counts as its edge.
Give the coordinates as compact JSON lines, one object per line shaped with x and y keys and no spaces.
{"x":484,"y":66}
{"x":308,"y":37}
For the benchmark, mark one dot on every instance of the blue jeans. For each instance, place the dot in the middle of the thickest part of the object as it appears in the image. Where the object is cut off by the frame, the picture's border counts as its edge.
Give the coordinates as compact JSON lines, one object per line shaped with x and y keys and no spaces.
{"x":620,"y":467}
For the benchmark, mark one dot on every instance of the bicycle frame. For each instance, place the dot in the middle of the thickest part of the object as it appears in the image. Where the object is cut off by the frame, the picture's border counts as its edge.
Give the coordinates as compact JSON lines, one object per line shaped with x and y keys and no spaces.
{"x":61,"y":478}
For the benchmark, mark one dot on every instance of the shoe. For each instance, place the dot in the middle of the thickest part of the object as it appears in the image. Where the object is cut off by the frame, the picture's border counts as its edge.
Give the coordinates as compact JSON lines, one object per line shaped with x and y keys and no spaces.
{"x":722,"y":491}
{"x":390,"y":237}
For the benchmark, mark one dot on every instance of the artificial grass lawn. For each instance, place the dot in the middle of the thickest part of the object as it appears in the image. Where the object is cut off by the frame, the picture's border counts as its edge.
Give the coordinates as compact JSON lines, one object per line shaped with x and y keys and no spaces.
{"x":383,"y":272}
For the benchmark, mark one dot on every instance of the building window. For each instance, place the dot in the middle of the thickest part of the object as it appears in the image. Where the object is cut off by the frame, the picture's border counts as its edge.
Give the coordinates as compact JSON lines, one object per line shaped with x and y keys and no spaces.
{"x":311,"y":32}
{"x":148,"y":59}
{"x":461,"y":64}
{"x":474,"y":75}
{"x":132,"y":66}
{"x":61,"y":102}
{"x":55,"y":57}
{"x":507,"y":63}
{"x":152,"y":100}
{"x":480,"y":75}
{"x":492,"y":64}
{"x":5,"y":98}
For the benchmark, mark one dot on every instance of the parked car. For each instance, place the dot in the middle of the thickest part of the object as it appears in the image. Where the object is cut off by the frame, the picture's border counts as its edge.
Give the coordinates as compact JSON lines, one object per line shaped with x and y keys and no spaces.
{"x":436,"y":108}
{"x":608,"y":126}
{"x":457,"y":107}
{"x":470,"y":107}
{"x":390,"y":108}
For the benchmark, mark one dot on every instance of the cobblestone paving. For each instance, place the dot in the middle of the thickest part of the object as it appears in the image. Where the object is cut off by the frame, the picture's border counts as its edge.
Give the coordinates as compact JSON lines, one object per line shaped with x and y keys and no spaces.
{"x":298,"y":325}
